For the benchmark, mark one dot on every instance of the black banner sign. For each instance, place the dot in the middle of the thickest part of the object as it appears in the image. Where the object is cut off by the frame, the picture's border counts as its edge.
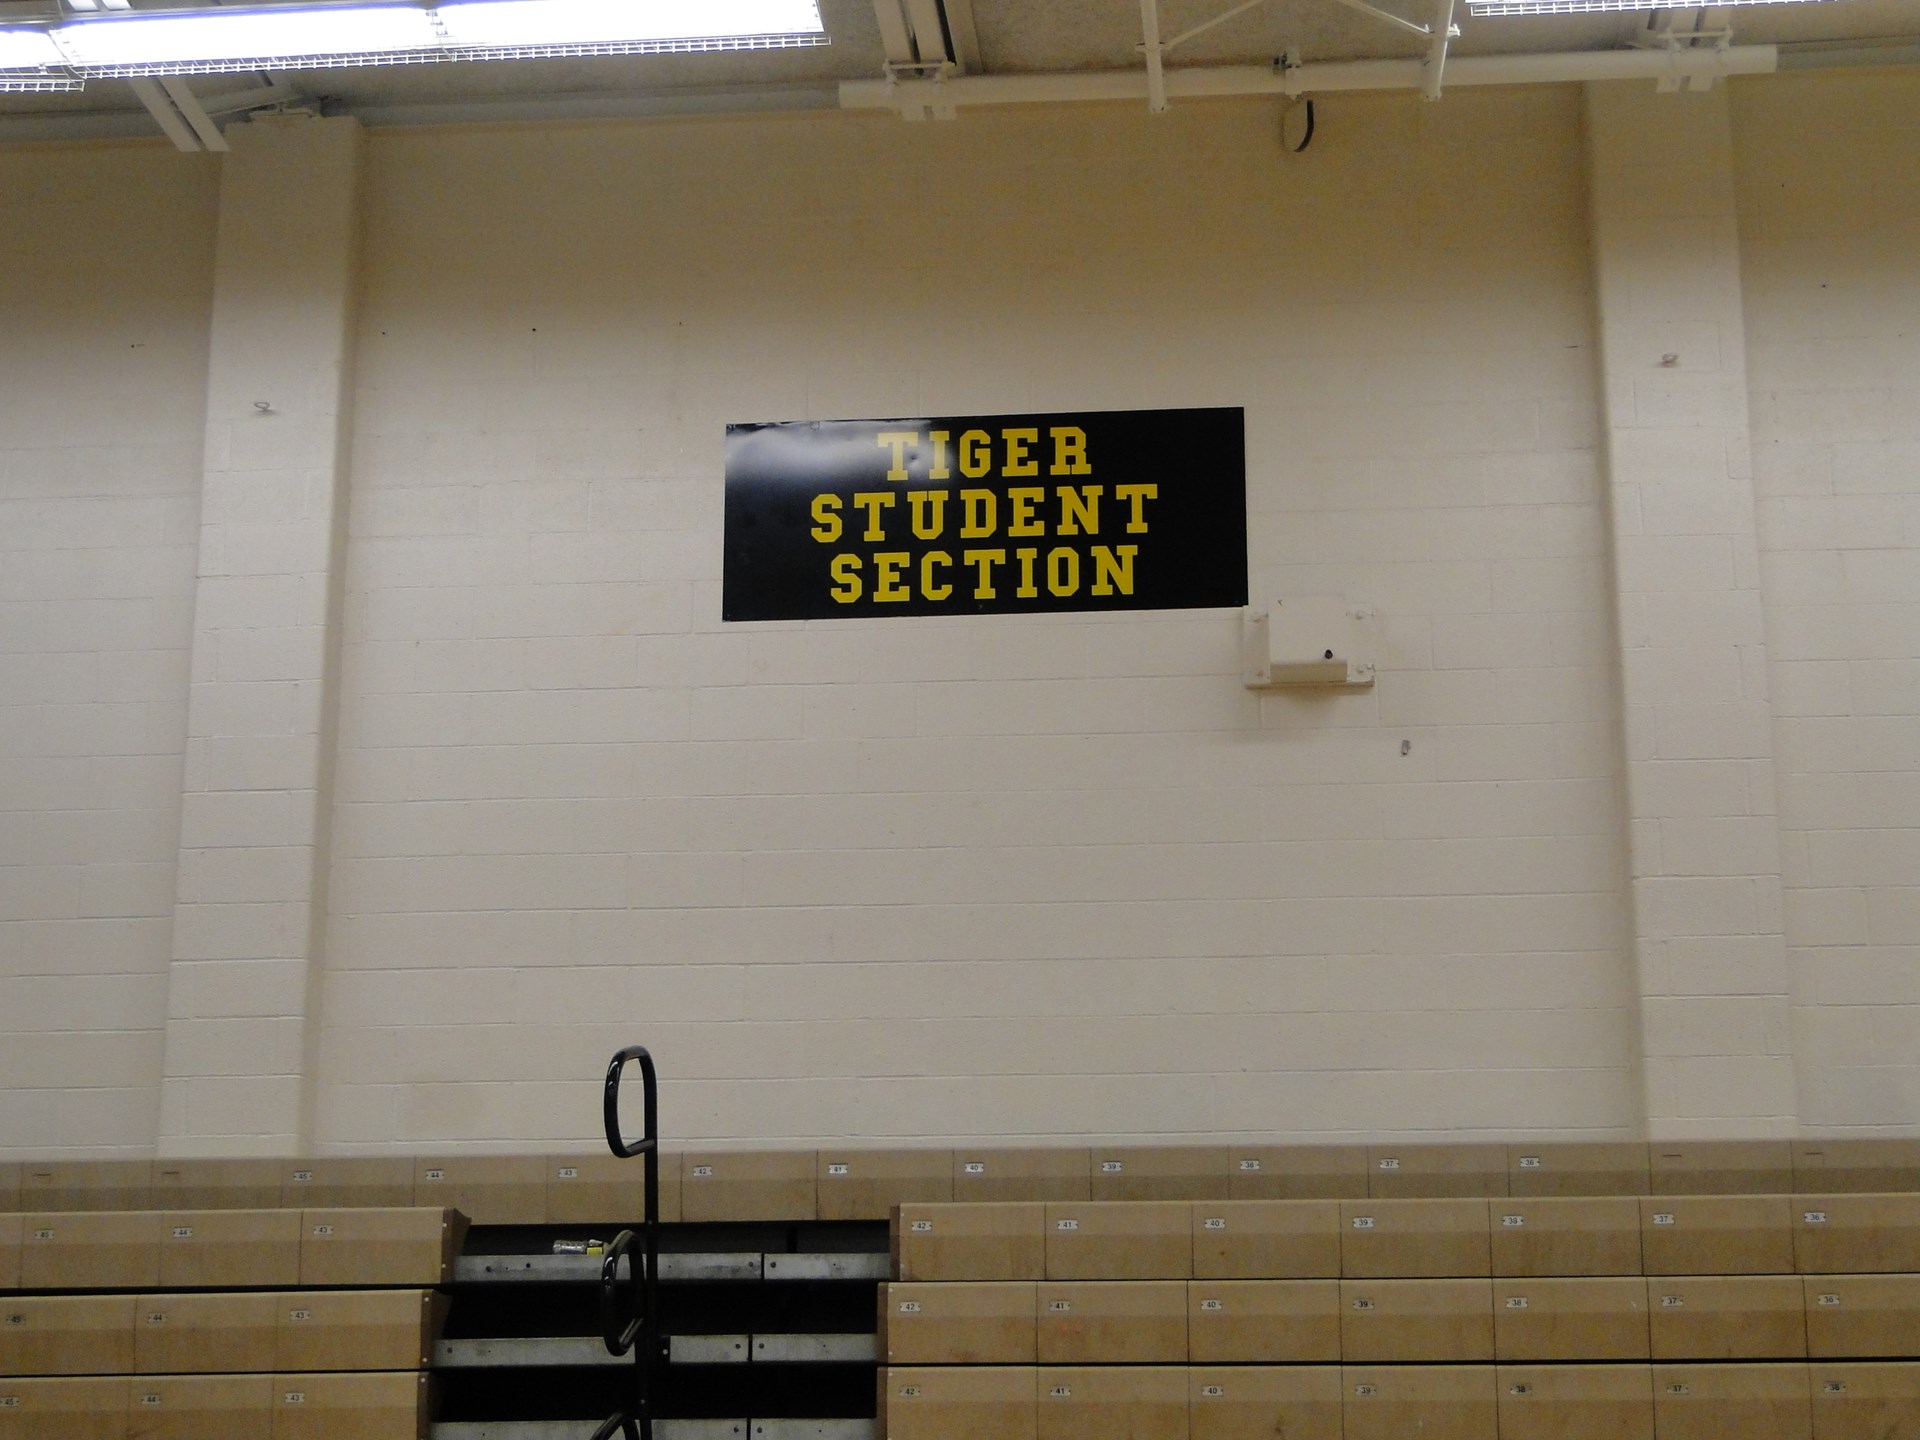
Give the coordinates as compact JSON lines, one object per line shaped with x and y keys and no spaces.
{"x":986,"y":514}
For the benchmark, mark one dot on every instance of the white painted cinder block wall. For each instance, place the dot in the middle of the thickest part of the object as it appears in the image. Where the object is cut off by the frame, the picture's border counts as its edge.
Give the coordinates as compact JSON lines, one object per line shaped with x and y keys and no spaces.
{"x":1015,"y":877}
{"x":989,"y":877}
{"x":106,"y":259}
{"x":1833,"y":317}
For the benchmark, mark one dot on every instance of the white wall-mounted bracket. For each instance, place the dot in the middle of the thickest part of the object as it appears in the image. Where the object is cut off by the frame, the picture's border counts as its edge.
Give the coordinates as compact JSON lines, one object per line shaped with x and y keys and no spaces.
{"x":936,"y":71}
{"x":1312,"y":640}
{"x":1674,"y":43}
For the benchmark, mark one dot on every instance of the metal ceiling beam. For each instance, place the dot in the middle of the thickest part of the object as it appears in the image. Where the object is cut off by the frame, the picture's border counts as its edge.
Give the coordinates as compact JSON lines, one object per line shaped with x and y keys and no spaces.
{"x":194,"y":113}
{"x":895,"y":38}
{"x":1156,"y":69}
{"x":1387,"y":15}
{"x":965,"y":36}
{"x":929,"y":32}
{"x":149,"y":94}
{"x":1436,"y":61}
{"x":1318,"y":78}
{"x":1206,"y":25}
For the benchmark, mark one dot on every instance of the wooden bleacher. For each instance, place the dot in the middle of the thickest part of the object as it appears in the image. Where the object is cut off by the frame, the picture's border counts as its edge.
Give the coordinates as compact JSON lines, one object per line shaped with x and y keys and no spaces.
{"x":1665,"y":1312}
{"x":154,"y":1325}
{"x":1767,"y":1290}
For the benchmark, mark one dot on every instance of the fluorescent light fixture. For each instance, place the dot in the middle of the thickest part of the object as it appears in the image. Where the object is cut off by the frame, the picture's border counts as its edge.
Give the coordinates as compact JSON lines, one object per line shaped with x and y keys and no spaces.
{"x":628,"y":26}
{"x":28,"y":50}
{"x":286,"y":37}
{"x":1586,"y":7}
{"x":30,"y":61}
{"x":119,"y":43}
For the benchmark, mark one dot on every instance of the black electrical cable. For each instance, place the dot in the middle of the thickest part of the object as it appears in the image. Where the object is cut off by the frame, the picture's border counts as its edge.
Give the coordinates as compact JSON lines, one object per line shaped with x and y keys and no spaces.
{"x":1306,"y":137}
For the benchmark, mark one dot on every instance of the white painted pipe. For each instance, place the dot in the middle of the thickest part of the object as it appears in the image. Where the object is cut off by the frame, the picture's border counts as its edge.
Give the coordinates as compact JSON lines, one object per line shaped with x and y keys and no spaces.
{"x":1197,"y":82}
{"x":1156,"y":68}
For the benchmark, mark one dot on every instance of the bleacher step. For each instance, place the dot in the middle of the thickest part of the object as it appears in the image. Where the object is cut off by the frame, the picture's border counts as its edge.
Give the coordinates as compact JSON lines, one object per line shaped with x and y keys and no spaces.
{"x":569,"y":1351}
{"x":681,"y":1269}
{"x":662,"y":1430}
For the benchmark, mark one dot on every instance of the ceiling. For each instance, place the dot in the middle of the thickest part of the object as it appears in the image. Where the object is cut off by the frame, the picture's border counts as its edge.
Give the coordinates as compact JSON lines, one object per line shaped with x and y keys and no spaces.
{"x":996,"y":37}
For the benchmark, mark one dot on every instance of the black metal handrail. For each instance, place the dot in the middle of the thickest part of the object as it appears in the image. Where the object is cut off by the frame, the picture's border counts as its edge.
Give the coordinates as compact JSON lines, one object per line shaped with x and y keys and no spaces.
{"x":639,"y":1332}
{"x":618,"y":1336}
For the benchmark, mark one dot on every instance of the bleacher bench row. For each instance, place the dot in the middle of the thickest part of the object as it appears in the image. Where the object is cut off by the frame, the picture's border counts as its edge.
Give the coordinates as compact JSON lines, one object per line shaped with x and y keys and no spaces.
{"x":865,"y":1183}
{"x":279,"y":1406}
{"x":1411,"y":1239}
{"x":219,"y":1332}
{"x":228,"y":1249}
{"x":1826,"y":1401}
{"x":1246,"y":1322}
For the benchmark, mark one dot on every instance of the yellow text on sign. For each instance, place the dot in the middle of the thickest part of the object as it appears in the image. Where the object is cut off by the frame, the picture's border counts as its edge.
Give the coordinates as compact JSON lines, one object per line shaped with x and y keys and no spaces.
{"x":896,"y":577}
{"x":979,"y":454}
{"x":978,"y":514}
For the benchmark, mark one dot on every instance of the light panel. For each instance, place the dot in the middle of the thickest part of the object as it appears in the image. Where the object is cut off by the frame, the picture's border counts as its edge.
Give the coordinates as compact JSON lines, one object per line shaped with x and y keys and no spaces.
{"x":516,"y":24}
{"x":28,"y":50}
{"x":1588,"y":7}
{"x":185,"y":43}
{"x":391,"y":32}
{"x":30,"y":61}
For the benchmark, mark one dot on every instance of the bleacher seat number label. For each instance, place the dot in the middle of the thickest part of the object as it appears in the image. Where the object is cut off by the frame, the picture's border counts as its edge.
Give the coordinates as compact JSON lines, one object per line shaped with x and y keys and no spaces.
{"x":303,"y":1176}
{"x":1521,"y":1389}
{"x":157,"y":1317}
{"x":1249,"y":1164}
{"x":1516,"y":1302}
{"x":1513,"y":1222}
{"x":1060,"y":1306}
{"x":1111,"y":1167}
{"x":1213,"y":1304}
{"x":922,"y":1227}
{"x":909,"y":1307}
{"x":1213,"y":1223}
{"x":7,"y":1402}
{"x":149,"y":1399}
{"x":1389,"y":1163}
{"x":1066,"y":1224}
{"x":1834,"y":1387}
{"x":1815,"y":1217}
{"x":1366,"y":1390}
{"x":1363,"y":1304}
{"x":1663,"y":1219}
{"x":16,"y":1319}
{"x":569,"y":1172}
{"x":436,"y":1174}
{"x":1679,"y":1389}
{"x":295,"y":1397}
{"x":1213,"y":1391}
{"x":1827,"y":1300}
{"x":701,"y":1172}
{"x":1671,"y":1302}
{"x":299,"y":1314}
{"x":323,"y":1231}
{"x":1363,"y":1222}
{"x":974,"y":1167}
{"x":836,"y":1169}
{"x":1061,"y":1392}
{"x":43,"y":1234}
{"x":910,"y":1392}
{"x":1530,"y":1162}
{"x":183,"y":1232}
